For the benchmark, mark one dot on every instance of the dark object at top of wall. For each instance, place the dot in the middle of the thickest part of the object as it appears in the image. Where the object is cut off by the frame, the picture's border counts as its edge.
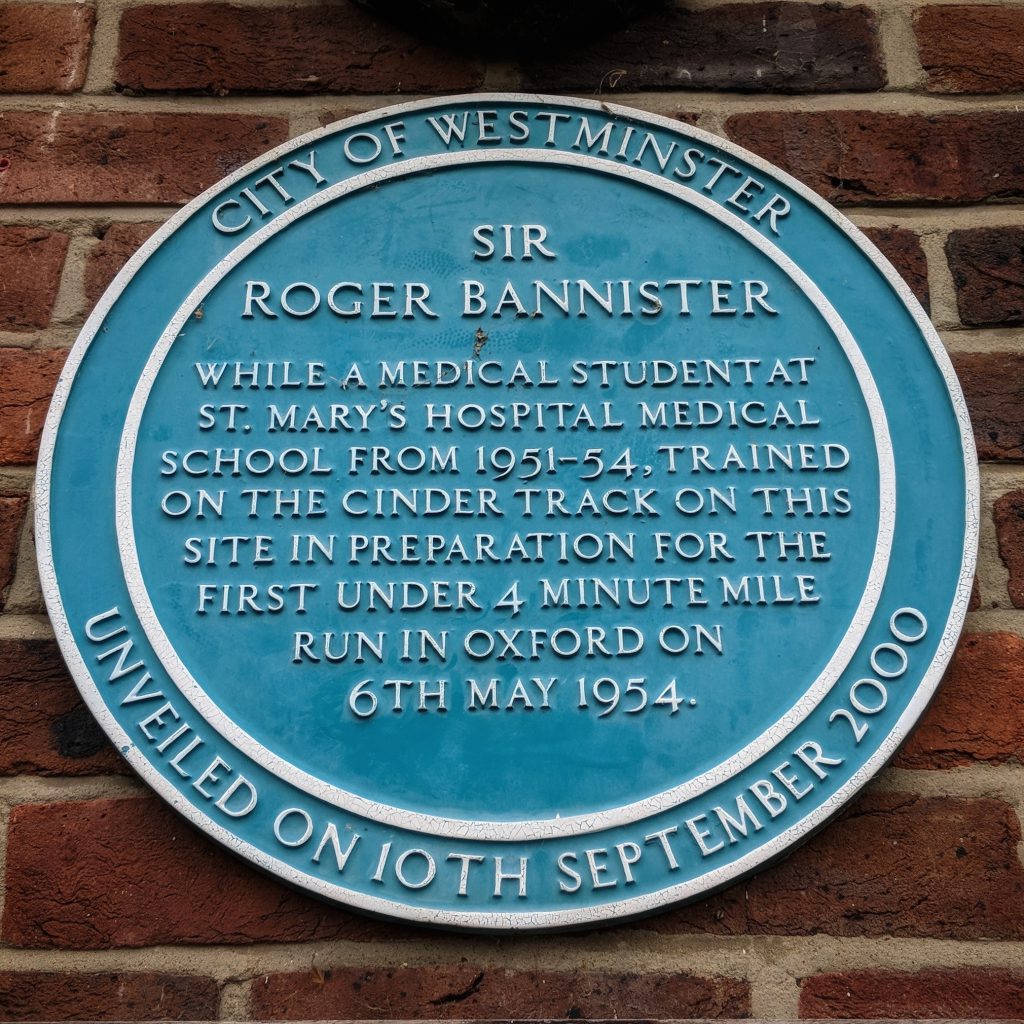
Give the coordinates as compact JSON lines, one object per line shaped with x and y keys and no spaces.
{"x":509,"y":26}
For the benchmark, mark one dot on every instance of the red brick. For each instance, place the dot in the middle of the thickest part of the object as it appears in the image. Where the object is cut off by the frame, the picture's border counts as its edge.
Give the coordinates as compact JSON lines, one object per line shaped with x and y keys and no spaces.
{"x":1009,"y":517}
{"x":107,"y":873}
{"x":768,"y":47}
{"x":978,"y":713}
{"x":338,"y":47}
{"x":50,"y":995}
{"x":472,"y":992}
{"x":126,"y":158}
{"x":44,"y":48}
{"x":900,"y":865}
{"x":988,"y":271}
{"x":117,"y":244}
{"x":27,"y":379}
{"x":725,"y":913}
{"x":857,"y":156}
{"x":12,"y":516}
{"x":974,"y":992}
{"x":902,"y":248}
{"x":32,"y":259}
{"x":993,"y":385}
{"x":971,"y":48}
{"x":44,"y":726}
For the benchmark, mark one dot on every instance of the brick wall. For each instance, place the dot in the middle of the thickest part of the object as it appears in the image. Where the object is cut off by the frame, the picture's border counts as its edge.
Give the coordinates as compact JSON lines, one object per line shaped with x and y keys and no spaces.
{"x":909,"y":117}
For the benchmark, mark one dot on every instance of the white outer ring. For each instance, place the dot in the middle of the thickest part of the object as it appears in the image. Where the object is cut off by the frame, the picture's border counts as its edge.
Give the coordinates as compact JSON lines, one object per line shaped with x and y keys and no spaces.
{"x":526,"y":921}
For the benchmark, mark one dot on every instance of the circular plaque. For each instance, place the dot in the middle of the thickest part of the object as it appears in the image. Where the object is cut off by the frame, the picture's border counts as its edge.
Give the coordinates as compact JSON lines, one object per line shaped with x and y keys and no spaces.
{"x":507,"y":512}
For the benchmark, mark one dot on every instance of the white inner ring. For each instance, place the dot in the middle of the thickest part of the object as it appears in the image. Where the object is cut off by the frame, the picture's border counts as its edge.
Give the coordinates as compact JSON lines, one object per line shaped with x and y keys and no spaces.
{"x":534,"y":828}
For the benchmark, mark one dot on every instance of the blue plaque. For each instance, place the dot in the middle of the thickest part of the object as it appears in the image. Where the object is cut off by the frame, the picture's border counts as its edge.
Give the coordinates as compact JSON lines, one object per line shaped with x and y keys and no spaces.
{"x":508,"y":512}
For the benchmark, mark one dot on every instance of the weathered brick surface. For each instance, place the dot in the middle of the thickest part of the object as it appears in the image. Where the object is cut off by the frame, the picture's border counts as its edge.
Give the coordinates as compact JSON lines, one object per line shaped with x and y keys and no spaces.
{"x":974,"y":992}
{"x":971,"y":47}
{"x":128,"y":872}
{"x":1009,"y":517}
{"x":53,"y":995}
{"x":901,"y":865}
{"x":988,"y":271}
{"x":45,"y":729}
{"x":857,"y":156}
{"x":44,"y":47}
{"x":993,"y":385}
{"x":894,"y":864}
{"x":12,"y":516}
{"x":336,"y":47}
{"x":978,"y":713}
{"x":118,"y":243}
{"x":27,"y":379}
{"x":467,"y":992}
{"x":902,"y":248}
{"x":782,"y":47}
{"x":725,"y":913}
{"x":126,"y":158}
{"x":32,"y":260}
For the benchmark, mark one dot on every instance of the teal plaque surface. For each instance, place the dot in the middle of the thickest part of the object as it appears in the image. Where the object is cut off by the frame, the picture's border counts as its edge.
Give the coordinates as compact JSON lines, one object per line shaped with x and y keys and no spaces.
{"x":508,"y":512}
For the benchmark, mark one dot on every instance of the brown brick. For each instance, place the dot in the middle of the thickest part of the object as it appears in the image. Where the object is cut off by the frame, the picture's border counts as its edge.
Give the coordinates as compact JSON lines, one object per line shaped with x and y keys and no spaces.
{"x":988,"y":271}
{"x":109,"y":255}
{"x":993,"y":385}
{"x":12,"y":517}
{"x":856,"y":156}
{"x":769,"y":47}
{"x":971,"y":48}
{"x":894,"y":864}
{"x":901,"y":865}
{"x":51,"y":995}
{"x":44,"y":48}
{"x":902,"y":248}
{"x":975,"y":602}
{"x":32,"y":261}
{"x":1009,"y":517}
{"x":126,"y":158}
{"x":974,"y":992}
{"x":44,"y":726}
{"x":337,"y":47}
{"x":27,"y":379}
{"x":725,"y":913}
{"x":978,"y":713}
{"x":470,"y":992}
{"x":107,"y":873}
